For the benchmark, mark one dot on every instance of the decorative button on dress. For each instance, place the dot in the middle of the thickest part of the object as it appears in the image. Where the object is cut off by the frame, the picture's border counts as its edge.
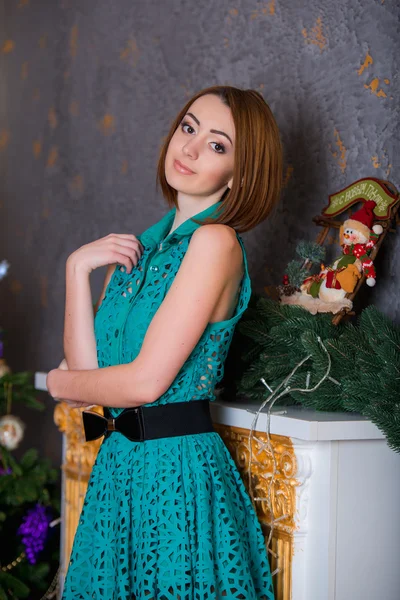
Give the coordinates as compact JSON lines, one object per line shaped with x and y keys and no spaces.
{"x":166,"y":519}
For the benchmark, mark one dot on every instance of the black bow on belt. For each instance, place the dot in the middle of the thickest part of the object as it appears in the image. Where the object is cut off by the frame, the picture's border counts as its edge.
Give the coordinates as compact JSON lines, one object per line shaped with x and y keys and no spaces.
{"x":129,"y":422}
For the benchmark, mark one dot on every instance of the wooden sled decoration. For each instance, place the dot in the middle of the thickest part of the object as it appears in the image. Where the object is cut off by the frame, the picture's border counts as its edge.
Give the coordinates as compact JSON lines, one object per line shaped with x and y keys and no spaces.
{"x":362,"y":232}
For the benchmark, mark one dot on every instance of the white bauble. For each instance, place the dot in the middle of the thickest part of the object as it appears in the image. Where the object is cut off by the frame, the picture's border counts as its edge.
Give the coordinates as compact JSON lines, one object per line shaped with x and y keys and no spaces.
{"x":11,"y":431}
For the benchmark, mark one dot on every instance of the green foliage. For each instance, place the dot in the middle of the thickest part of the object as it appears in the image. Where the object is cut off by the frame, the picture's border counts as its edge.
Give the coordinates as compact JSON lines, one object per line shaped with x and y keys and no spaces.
{"x":364,"y":375}
{"x":23,"y":484}
{"x":23,"y":390}
{"x":17,"y":587}
{"x":311,"y":251}
{"x":27,"y":481}
{"x":32,"y":480}
{"x":296,"y":273}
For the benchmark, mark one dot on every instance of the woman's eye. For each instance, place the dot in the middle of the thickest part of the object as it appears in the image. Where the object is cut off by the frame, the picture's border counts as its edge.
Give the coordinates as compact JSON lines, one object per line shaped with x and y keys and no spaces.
{"x":186,"y":125}
{"x":222,"y":151}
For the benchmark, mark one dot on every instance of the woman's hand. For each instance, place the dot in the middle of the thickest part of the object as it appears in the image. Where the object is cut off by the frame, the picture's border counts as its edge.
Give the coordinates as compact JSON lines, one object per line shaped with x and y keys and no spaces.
{"x":124,"y":249}
{"x":63,"y":366}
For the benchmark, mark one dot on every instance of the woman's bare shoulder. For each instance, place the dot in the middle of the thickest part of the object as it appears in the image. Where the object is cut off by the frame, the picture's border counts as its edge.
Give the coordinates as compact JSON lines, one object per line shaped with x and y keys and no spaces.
{"x":222,"y":238}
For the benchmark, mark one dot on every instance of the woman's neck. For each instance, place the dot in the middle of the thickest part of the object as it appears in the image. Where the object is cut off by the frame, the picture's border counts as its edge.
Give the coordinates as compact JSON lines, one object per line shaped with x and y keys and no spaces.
{"x":189,"y":209}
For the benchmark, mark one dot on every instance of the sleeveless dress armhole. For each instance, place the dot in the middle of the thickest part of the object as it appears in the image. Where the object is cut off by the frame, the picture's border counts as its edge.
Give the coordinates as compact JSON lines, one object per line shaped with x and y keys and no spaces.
{"x":244,"y":296}
{"x":116,"y":280}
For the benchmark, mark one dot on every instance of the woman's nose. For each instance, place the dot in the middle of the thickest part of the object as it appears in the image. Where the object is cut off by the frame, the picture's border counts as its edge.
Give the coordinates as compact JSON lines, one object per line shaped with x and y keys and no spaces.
{"x":190,"y":149}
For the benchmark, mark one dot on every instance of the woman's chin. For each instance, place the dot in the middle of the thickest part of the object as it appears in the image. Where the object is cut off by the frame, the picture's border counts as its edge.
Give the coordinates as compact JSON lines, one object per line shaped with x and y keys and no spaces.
{"x":178,"y":185}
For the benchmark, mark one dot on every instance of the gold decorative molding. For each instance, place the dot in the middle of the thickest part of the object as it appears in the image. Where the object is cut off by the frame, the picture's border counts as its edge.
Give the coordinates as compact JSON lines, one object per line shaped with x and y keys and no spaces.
{"x":79,"y":457}
{"x":282,"y":495}
{"x":283,"y":489}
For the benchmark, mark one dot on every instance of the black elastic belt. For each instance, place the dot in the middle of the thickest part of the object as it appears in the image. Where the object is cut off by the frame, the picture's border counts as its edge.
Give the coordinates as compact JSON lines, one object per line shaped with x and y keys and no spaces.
{"x":151,"y":422}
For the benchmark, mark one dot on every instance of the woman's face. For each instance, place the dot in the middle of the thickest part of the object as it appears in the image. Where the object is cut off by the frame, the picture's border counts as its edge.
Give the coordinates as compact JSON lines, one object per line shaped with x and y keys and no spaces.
{"x":204,"y":144}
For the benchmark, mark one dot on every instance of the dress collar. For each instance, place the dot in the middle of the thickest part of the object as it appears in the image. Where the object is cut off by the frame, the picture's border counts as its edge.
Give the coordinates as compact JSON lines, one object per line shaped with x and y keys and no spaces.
{"x":158,"y":232}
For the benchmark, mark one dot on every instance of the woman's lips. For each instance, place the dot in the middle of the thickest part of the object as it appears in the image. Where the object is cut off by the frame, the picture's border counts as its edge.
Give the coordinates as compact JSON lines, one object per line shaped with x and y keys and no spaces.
{"x":181,"y":169}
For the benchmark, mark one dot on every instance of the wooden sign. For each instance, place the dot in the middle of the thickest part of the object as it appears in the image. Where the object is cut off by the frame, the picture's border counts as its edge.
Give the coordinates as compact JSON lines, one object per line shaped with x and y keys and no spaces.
{"x":382,"y":192}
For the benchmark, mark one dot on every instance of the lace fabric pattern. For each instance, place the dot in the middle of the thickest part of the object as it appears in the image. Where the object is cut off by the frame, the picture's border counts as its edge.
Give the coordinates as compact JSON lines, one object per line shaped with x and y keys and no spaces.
{"x":168,"y":518}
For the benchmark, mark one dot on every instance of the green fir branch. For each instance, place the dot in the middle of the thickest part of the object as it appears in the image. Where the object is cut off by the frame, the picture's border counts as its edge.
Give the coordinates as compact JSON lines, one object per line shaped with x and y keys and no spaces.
{"x":296,"y":273}
{"x":311,"y":251}
{"x":365,"y":362}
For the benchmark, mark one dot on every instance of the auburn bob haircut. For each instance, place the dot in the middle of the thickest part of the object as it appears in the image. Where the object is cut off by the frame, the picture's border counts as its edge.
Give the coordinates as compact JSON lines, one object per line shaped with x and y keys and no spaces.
{"x":257,"y":160}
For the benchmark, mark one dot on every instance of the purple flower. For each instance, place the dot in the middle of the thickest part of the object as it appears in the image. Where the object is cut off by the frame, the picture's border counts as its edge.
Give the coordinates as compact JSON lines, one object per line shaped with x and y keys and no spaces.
{"x":34,"y":529}
{"x":5,"y":471}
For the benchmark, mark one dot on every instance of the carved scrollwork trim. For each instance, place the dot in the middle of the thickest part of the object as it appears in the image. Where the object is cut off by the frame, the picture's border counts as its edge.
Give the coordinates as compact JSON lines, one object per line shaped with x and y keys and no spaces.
{"x":283,"y":490}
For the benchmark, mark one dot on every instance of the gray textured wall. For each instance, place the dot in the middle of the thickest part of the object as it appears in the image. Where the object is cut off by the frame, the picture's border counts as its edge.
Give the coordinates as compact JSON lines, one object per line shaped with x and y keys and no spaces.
{"x":88,"y":90}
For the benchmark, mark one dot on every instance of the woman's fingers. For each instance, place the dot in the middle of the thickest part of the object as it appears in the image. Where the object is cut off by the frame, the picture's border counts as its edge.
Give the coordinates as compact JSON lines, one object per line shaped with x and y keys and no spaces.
{"x":126,"y":253}
{"x":107,"y":250}
{"x":75,"y":403}
{"x":128,"y":237}
{"x":128,"y":250}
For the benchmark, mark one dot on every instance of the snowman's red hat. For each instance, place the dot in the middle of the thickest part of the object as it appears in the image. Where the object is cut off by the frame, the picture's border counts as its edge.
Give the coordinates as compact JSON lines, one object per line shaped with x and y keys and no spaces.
{"x":363,"y":220}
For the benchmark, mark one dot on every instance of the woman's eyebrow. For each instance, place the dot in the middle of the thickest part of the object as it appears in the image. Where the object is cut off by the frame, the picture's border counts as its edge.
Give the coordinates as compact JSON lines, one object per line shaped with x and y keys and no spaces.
{"x":212,"y":130}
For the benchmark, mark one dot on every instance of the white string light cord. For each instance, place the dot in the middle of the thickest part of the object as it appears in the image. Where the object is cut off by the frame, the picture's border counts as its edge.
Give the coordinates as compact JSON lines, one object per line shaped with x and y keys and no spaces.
{"x":270,"y":401}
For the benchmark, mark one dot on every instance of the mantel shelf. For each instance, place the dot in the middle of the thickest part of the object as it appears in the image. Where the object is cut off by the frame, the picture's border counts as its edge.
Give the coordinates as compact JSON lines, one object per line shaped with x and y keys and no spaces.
{"x":296,"y":422}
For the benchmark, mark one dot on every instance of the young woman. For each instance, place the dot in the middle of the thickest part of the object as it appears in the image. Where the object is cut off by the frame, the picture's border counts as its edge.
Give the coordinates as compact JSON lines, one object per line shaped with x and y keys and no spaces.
{"x":166,"y":514}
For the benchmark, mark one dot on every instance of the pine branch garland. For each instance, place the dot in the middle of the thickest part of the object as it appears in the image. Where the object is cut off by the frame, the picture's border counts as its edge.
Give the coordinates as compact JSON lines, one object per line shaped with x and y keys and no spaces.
{"x":365,"y":361}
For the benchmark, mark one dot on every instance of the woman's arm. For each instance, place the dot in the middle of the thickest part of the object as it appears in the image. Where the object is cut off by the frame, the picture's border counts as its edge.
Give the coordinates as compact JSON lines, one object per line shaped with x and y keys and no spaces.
{"x":63,"y":364}
{"x":213,"y":257}
{"x":79,"y":338}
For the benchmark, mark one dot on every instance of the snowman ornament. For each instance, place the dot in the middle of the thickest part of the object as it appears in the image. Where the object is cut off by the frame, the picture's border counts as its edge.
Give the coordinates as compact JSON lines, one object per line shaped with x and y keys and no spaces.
{"x":358,"y":235}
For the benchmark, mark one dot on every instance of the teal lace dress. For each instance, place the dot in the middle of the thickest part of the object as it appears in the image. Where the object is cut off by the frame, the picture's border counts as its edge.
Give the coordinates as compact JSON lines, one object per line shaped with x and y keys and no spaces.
{"x":166,"y":519}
